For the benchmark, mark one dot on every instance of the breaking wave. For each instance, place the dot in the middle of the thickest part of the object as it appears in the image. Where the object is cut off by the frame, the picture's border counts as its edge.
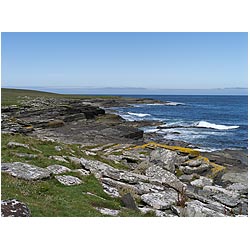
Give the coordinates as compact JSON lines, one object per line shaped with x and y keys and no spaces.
{"x":204,"y":124}
{"x":138,"y":114}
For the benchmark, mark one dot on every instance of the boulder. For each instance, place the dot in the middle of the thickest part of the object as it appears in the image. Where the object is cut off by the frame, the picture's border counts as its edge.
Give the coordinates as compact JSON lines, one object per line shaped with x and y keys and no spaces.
{"x":195,"y":170}
{"x":198,"y":209}
{"x":14,"y":208}
{"x":161,"y":200}
{"x":238,"y":187}
{"x":112,"y":191}
{"x":224,"y":196}
{"x":58,"y":169}
{"x":25,"y":171}
{"x":24,"y":155}
{"x":236,"y":178}
{"x":128,"y":201}
{"x":68,"y":180}
{"x":164,"y":158}
{"x":201,"y":182}
{"x":161,"y":176}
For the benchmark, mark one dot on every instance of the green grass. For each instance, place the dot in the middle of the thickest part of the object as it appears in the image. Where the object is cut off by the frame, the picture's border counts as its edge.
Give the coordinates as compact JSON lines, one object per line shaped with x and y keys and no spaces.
{"x":49,"y":197}
{"x":12,"y":96}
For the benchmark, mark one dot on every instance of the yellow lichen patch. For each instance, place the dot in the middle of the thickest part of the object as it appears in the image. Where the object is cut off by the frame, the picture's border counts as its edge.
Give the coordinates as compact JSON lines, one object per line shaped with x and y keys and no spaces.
{"x":216,"y":168}
{"x":175,"y":148}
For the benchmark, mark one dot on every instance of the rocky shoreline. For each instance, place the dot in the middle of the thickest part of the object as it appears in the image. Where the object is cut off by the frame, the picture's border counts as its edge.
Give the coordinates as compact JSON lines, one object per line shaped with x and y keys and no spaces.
{"x":144,"y":172}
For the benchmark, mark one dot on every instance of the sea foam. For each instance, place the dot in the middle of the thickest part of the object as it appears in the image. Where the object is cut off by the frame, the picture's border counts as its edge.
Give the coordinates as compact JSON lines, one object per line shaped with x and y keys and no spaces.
{"x":204,"y":124}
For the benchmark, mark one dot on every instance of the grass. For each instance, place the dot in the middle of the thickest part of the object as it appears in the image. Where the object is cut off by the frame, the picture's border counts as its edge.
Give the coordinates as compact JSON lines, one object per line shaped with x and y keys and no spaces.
{"x":12,"y":96}
{"x":50,"y":198}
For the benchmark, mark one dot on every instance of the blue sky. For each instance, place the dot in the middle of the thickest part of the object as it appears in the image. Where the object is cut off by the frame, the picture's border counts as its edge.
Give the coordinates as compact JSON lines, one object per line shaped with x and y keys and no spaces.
{"x":147,"y":60}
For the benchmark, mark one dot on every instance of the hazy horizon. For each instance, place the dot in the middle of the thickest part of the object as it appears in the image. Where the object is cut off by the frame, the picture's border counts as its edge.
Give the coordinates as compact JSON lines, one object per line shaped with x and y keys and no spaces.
{"x":165,"y":60}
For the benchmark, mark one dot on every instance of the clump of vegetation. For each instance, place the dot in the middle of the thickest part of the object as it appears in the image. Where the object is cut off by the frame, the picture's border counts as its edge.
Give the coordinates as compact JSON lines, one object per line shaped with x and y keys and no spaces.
{"x":182,"y":198}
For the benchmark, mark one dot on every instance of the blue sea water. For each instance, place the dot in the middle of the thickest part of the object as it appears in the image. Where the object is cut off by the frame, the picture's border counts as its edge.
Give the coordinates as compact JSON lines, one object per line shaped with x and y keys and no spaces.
{"x":209,"y":122}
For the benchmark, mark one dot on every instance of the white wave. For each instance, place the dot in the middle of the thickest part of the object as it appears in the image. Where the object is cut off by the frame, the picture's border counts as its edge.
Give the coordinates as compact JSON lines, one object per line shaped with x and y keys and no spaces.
{"x":174,"y":103}
{"x":138,"y":114}
{"x":152,"y":130}
{"x":155,"y":104}
{"x":204,"y":124}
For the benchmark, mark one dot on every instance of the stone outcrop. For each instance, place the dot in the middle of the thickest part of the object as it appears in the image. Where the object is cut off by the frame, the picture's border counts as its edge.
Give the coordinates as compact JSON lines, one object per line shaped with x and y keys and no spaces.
{"x":14,"y":208}
{"x":68,"y":180}
{"x":25,"y":171}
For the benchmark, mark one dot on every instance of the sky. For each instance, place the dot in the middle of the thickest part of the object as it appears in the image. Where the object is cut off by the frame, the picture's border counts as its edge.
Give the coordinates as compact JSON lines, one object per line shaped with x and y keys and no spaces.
{"x":125,"y":60}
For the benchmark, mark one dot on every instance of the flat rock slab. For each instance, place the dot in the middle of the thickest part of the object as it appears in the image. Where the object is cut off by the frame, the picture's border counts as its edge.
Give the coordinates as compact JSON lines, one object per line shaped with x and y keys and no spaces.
{"x":108,"y":211}
{"x":12,"y":144}
{"x":58,"y":158}
{"x":68,"y":180}
{"x":14,"y":208}
{"x":162,"y":176}
{"x":236,"y":178}
{"x":161,"y":200}
{"x":201,"y":182}
{"x":58,"y":169}
{"x":198,"y":209}
{"x":25,"y":171}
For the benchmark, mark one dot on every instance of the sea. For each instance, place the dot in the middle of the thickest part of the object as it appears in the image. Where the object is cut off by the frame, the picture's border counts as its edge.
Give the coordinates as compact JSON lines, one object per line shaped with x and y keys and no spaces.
{"x":206,"y":122}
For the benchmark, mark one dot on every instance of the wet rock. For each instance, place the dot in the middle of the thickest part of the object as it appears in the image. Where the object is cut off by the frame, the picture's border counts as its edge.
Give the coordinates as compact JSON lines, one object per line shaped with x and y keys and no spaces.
{"x":128,"y":202}
{"x":14,"y":208}
{"x":25,"y":171}
{"x":108,"y":211}
{"x":17,"y":145}
{"x":161,"y":200}
{"x":58,"y":169}
{"x":162,"y":176}
{"x":201,"y":182}
{"x":68,"y":180}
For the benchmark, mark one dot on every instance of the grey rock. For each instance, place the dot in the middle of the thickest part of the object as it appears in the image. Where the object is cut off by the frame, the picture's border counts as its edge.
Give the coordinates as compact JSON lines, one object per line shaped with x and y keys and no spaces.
{"x":12,"y":144}
{"x":236,"y":178}
{"x":162,"y":176}
{"x":145,"y":188}
{"x":129,"y":202}
{"x":108,"y":211}
{"x":58,"y":148}
{"x":25,"y":171}
{"x":188,"y":177}
{"x":27,"y":156}
{"x":164,"y":158}
{"x":75,"y":160}
{"x":68,"y":180}
{"x":201,"y":182}
{"x":82,"y":172}
{"x":58,"y":169}
{"x":198,"y":170}
{"x":120,"y":185}
{"x":224,"y":196}
{"x":193,"y":163}
{"x":198,"y":209}
{"x":238,"y":187}
{"x":161,"y":200}
{"x":100,"y":169}
{"x":14,"y":208}
{"x":58,"y":158}
{"x":112,"y":191}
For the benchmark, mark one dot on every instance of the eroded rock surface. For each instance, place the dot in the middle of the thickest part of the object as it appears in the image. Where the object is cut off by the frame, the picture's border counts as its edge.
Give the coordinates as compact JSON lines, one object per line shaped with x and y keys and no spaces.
{"x":14,"y":208}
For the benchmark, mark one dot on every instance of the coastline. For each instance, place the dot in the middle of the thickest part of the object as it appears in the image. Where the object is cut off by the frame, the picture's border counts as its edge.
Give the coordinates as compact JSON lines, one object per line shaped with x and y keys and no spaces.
{"x":100,"y":142}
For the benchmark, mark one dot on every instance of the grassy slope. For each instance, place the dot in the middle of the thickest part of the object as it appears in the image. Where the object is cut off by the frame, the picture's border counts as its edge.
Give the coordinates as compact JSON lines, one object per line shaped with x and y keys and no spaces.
{"x":10,"y":96}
